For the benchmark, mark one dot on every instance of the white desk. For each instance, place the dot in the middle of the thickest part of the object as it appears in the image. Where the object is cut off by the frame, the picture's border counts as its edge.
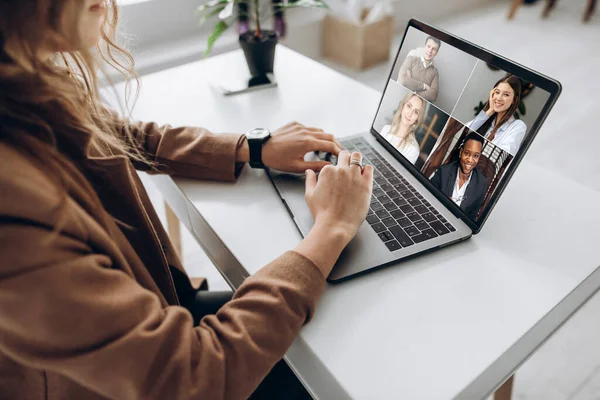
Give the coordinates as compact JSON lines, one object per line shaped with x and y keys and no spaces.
{"x":455,"y":323}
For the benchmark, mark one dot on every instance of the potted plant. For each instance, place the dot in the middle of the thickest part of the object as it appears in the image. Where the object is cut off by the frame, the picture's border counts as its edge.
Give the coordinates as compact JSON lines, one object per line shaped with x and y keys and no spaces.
{"x":257,"y":43}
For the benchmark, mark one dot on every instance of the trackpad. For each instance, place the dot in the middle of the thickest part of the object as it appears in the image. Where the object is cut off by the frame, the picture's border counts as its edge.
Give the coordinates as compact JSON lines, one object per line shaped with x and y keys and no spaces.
{"x":291,"y":188}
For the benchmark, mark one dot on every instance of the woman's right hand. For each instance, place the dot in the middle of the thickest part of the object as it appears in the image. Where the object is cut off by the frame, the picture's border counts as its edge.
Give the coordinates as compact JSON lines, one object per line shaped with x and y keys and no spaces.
{"x":490,"y":110}
{"x":339,"y":202}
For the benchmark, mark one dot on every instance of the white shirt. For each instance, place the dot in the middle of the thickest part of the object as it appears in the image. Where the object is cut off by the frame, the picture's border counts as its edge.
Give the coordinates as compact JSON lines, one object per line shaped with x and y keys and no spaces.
{"x":458,"y":194}
{"x":410,"y":150}
{"x":425,"y":63}
{"x":508,"y":137}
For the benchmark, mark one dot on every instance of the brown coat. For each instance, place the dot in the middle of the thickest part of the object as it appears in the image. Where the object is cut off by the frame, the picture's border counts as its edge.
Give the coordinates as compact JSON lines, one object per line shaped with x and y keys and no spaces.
{"x":95,"y":312}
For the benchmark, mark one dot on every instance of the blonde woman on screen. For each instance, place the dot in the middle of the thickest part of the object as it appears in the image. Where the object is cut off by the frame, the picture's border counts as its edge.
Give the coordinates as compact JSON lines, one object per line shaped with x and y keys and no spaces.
{"x":401,"y":133}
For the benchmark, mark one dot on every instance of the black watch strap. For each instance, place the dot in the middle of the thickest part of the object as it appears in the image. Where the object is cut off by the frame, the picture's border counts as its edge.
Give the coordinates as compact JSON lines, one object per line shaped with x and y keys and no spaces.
{"x":255,"y":147}
{"x":256,"y":140}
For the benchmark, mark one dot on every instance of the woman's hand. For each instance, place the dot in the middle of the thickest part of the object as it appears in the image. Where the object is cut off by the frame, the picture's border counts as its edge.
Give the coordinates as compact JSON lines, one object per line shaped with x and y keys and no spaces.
{"x":490,"y":111}
{"x":287,"y":147}
{"x":339,"y":202}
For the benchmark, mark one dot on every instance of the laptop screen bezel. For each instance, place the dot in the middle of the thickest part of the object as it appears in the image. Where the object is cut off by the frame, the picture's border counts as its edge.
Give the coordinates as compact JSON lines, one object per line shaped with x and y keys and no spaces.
{"x":552,"y":86}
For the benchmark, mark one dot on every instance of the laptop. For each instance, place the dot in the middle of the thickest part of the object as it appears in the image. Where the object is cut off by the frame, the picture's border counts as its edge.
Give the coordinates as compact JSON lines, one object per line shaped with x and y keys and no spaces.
{"x":453,"y":123}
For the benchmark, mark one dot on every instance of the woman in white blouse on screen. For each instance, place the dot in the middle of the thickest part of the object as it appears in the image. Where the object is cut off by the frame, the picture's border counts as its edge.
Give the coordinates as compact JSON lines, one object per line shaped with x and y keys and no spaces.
{"x":401,"y":133}
{"x":496,"y":122}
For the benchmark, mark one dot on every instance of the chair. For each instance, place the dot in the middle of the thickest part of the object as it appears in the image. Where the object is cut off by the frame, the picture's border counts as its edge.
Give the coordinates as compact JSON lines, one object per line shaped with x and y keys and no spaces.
{"x":550,"y":4}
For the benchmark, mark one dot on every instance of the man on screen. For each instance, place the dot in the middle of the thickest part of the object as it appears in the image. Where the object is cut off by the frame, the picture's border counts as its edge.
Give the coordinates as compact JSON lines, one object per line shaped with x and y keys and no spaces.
{"x":461,"y":180}
{"x":417,"y":72}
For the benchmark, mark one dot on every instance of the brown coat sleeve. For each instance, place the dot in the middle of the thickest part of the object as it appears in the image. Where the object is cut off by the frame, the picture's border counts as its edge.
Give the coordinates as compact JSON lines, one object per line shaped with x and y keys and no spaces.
{"x":183,"y":151}
{"x":68,"y":307}
{"x":65,"y":310}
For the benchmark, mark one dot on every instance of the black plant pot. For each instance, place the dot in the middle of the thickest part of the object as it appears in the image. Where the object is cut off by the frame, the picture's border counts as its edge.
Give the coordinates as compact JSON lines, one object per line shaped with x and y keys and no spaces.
{"x":259,"y":52}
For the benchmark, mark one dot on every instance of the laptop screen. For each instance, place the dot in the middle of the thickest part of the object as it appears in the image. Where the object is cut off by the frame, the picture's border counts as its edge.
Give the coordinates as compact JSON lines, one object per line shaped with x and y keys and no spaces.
{"x":460,"y":120}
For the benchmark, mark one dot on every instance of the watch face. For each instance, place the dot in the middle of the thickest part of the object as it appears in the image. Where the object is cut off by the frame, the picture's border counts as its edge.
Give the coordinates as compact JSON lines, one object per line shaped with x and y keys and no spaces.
{"x":258,"y":133}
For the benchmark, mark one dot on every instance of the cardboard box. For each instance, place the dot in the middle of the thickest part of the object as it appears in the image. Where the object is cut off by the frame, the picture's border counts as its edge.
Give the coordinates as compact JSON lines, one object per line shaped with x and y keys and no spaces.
{"x":357,"y":46}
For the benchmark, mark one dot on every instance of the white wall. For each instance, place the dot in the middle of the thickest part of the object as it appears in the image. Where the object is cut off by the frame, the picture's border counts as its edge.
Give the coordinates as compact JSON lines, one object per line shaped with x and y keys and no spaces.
{"x":166,"y":33}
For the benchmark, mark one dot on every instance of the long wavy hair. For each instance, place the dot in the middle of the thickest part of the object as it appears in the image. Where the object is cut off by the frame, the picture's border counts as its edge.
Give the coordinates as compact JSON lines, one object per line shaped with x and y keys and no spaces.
{"x":515,"y":84}
{"x":50,"y":105}
{"x":397,"y":119}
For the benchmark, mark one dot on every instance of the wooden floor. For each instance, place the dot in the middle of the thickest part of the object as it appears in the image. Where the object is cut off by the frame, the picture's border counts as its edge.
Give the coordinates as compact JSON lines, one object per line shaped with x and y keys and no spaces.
{"x":568,"y":365}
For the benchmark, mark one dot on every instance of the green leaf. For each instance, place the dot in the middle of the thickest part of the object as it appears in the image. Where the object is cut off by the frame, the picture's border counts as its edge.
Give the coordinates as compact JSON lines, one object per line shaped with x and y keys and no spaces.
{"x":210,"y":5}
{"x":218,"y":30}
{"x":227,"y":11}
{"x":212,"y":13}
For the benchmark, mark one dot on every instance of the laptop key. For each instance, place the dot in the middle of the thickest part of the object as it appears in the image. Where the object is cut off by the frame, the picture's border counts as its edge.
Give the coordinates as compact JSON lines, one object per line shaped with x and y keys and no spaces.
{"x":413,"y":216}
{"x":443,"y":219}
{"x":376,"y":206}
{"x":378,"y":227}
{"x":397,"y":214}
{"x":384,"y":198}
{"x":393,"y":180}
{"x":378,"y":192}
{"x":406,"y":208}
{"x":404,"y":222}
{"x":429,"y":217}
{"x":411,"y":230}
{"x":382,"y":213}
{"x":439,"y":228}
{"x":401,"y":236}
{"x":390,"y":206}
{"x":393,"y":245}
{"x":393,"y":194}
{"x":386,"y":187}
{"x":413,"y":201}
{"x":421,"y":209}
{"x":380,"y":179}
{"x":450,"y":227}
{"x":426,"y":203}
{"x":407,"y":194}
{"x":383,"y":236}
{"x":425,"y":235}
{"x":400,"y":201}
{"x":389,"y":221}
{"x":389,"y":235}
{"x":422,"y":225}
{"x":371,"y":219}
{"x":400,"y":187}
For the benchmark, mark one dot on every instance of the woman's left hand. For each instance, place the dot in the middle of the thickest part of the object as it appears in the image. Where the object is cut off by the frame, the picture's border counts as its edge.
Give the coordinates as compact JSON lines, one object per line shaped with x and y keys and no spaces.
{"x":286,"y":148}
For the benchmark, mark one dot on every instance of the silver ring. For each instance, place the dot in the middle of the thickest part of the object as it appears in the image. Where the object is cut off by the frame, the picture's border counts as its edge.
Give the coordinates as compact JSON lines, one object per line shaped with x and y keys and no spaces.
{"x":356,"y":162}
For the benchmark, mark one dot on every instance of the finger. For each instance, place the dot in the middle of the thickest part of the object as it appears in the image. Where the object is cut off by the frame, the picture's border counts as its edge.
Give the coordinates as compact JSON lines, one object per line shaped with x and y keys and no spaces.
{"x":343,"y":158}
{"x":323,"y":145}
{"x":290,"y":125}
{"x":311,"y":181}
{"x":313,"y":129}
{"x":329,"y":138}
{"x":313,"y":165}
{"x":356,"y":157}
{"x":368,"y":173}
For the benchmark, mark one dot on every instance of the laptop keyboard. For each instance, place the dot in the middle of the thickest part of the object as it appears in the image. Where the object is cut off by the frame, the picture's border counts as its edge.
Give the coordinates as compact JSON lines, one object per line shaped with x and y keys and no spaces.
{"x":398,"y":213}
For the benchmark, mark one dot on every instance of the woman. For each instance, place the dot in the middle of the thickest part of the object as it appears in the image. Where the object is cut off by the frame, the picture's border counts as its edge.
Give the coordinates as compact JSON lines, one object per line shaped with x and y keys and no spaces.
{"x":496,"y":122}
{"x":95,"y":303}
{"x":401,"y":133}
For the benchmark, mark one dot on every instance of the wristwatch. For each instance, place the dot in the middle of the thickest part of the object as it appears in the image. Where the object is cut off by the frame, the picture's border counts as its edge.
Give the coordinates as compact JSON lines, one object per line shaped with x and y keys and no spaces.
{"x":256,"y":139}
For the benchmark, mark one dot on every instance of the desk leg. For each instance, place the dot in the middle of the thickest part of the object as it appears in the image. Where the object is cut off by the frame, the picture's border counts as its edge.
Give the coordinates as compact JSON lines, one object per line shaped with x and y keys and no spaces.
{"x":589,"y":10}
{"x":174,"y":228}
{"x":504,"y":392}
{"x":549,"y":6}
{"x":513,"y":8}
